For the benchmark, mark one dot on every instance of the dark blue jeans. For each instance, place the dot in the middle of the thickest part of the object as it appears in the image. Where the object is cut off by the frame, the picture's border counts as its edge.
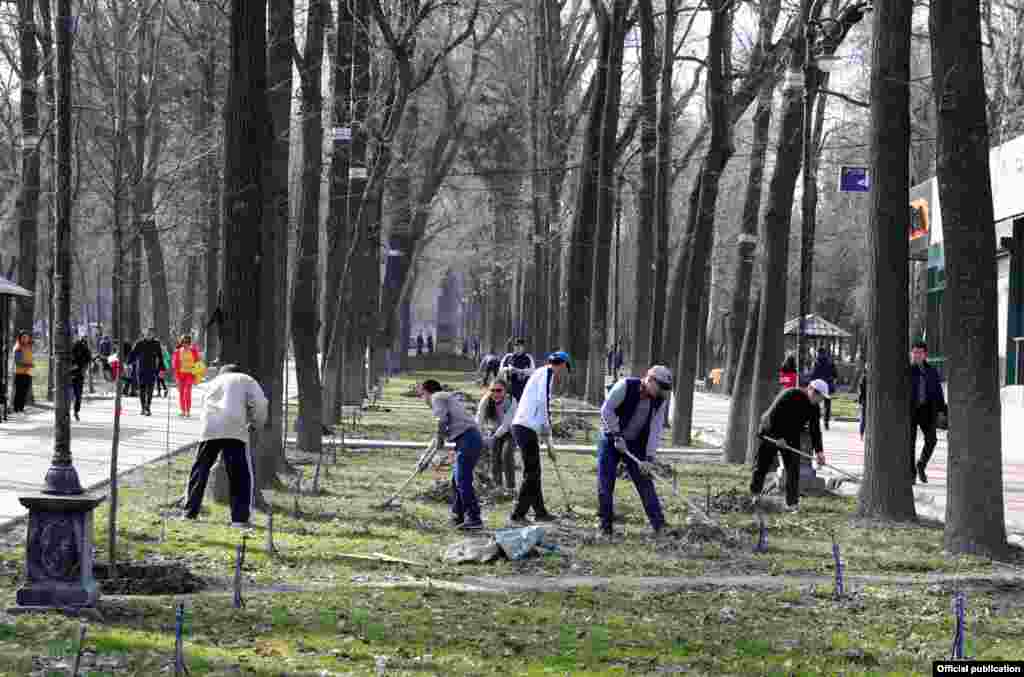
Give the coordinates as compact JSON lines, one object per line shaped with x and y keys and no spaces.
{"x":608,"y":458}
{"x":467,"y":452}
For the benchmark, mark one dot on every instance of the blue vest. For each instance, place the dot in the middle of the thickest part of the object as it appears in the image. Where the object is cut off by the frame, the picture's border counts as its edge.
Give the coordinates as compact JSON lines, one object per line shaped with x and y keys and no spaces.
{"x":626,"y":410}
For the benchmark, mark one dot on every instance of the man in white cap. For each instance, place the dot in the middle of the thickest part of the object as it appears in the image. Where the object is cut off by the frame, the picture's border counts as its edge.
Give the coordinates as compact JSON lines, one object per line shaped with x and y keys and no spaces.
{"x":632,"y":419}
{"x":792,"y":411}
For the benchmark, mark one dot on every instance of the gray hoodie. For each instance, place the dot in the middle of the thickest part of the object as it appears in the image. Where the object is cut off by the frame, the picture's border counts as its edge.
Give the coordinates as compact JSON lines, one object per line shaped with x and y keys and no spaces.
{"x":452,"y":417}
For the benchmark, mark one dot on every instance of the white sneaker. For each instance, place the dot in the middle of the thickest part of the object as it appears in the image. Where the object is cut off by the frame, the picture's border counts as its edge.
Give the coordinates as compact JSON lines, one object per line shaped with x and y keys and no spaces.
{"x":793,"y":508}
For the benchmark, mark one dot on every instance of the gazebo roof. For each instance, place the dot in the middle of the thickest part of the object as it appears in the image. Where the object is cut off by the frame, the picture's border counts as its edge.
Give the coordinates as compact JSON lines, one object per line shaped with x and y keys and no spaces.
{"x":816,"y":326}
{"x":8,"y":288}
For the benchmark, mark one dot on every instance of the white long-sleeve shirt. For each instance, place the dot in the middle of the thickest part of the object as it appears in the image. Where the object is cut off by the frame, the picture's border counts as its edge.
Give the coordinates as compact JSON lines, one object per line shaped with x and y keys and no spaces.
{"x":533,"y":409}
{"x":232,"y":402}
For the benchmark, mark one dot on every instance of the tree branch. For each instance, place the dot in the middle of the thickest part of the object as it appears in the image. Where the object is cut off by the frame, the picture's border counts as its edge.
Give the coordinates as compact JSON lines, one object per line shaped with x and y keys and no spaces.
{"x":844,"y":97}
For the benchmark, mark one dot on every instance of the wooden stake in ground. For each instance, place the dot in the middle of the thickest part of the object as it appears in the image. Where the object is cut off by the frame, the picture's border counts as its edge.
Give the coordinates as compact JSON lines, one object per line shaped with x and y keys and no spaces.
{"x":180,"y":668}
{"x":239,"y":561}
{"x":78,"y":650}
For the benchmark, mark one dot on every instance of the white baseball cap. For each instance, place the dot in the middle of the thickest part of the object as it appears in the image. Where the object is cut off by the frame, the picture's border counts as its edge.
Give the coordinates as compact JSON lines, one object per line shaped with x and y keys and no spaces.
{"x":821,"y":387}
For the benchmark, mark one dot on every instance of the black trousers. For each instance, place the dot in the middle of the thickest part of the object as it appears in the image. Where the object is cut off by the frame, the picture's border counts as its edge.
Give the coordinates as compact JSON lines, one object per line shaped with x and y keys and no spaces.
{"x":827,"y":411}
{"x":22,"y":384}
{"x":763,"y":464}
{"x":241,"y":479}
{"x":923,"y":418}
{"x":75,"y":390}
{"x":531,"y":494}
{"x":161,"y":386}
{"x":146,"y":395}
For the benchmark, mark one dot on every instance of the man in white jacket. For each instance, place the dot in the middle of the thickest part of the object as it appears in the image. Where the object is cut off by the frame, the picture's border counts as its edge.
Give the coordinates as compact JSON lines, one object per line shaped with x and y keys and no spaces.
{"x":532,"y":421}
{"x":234,"y":405}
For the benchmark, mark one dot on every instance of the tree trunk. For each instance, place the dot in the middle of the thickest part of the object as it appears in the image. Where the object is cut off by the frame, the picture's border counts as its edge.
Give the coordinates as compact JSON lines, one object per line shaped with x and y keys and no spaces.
{"x":720,"y":150}
{"x":886,"y":490}
{"x":575,"y":335}
{"x":211,"y":181}
{"x":615,"y":27}
{"x":133,"y":316}
{"x":336,"y":241}
{"x":304,"y":299}
{"x":735,"y":448}
{"x":775,"y":235}
{"x":975,"y":519}
{"x":249,"y":320}
{"x":646,"y":228}
{"x":540,"y":210}
{"x":28,"y":200}
{"x":740,"y":306}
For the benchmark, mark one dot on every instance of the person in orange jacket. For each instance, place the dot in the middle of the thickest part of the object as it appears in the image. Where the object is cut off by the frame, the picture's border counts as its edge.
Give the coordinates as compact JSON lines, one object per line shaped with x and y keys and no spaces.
{"x":22,"y":370}
{"x":183,"y":363}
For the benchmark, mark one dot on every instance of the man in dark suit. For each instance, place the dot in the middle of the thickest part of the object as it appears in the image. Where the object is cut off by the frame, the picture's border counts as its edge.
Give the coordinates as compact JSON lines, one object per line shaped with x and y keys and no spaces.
{"x":928,"y":403}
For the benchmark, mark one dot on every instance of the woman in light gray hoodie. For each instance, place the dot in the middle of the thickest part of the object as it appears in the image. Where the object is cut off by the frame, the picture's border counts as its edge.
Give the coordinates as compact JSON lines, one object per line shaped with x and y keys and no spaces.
{"x":494,"y":418}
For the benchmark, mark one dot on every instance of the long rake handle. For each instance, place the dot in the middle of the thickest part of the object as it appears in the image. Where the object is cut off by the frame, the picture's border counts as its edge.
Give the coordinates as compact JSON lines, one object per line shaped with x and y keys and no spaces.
{"x":782,"y":445}
{"x":421,"y":465}
{"x":558,"y":474}
{"x":636,"y":460}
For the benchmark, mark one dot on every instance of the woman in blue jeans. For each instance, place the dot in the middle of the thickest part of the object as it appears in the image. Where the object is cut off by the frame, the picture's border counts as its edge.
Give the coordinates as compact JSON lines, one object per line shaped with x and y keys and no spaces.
{"x":455,"y":424}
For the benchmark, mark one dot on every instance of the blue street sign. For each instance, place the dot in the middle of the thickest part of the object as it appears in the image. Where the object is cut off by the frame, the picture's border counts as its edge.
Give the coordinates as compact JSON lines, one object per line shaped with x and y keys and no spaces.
{"x":854,"y":180}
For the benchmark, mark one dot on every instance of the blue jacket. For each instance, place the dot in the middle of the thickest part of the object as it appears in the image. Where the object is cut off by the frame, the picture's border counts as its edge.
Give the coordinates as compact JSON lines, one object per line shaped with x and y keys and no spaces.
{"x":935,"y":399}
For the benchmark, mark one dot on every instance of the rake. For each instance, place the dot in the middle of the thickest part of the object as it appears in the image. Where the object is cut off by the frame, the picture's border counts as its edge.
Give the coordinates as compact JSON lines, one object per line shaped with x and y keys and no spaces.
{"x":422,"y":464}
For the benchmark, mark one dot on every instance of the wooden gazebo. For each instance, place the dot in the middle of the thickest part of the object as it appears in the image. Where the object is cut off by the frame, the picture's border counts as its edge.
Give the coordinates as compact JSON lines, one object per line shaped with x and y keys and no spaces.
{"x":7,"y":290}
{"x":820,"y":333}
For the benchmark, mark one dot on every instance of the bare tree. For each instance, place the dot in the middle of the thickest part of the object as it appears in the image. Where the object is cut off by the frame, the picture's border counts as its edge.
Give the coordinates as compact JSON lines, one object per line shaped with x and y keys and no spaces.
{"x":28,"y":200}
{"x":975,"y":520}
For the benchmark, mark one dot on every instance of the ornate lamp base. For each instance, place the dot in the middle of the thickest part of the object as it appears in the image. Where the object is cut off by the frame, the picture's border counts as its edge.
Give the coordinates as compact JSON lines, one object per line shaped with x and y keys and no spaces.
{"x":59,"y":551}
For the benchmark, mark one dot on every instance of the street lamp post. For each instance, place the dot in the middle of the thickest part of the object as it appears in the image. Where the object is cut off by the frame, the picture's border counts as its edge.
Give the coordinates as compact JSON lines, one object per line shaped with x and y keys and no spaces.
{"x":58,"y":567}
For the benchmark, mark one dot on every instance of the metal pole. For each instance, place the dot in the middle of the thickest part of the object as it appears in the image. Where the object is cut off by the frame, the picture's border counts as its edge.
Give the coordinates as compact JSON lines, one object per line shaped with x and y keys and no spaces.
{"x":62,"y":477}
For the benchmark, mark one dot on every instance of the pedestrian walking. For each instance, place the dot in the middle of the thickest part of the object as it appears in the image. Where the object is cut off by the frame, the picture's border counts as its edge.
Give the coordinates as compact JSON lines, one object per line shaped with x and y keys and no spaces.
{"x":825,"y":370}
{"x":22,"y":371}
{"x":148,"y":359}
{"x":183,"y":364}
{"x":430,"y":343}
{"x":531,"y":422}
{"x":494,"y":417}
{"x":928,"y":404}
{"x":517,"y":365}
{"x":234,"y":406}
{"x":419,"y":344}
{"x":793,"y":410}
{"x":81,"y":361}
{"x":454,"y":424}
{"x":789,"y":376}
{"x":476,"y":348}
{"x":632,"y":419}
{"x":128,"y":369}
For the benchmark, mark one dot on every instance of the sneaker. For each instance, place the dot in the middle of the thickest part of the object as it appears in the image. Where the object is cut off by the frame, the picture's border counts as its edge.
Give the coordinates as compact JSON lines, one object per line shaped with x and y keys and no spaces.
{"x":455,"y":521}
{"x":605,"y":534}
{"x":920,"y":473}
{"x":517,"y":522}
{"x":471,"y":525}
{"x":76,"y":417}
{"x":545,"y":517}
{"x":792,"y":508}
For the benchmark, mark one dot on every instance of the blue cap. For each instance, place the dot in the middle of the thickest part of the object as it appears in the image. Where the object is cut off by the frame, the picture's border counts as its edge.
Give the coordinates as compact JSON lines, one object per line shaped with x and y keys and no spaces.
{"x":561,"y":356}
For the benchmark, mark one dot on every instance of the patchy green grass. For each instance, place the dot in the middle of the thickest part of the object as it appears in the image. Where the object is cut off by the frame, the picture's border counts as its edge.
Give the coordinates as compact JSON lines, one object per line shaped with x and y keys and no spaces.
{"x":310,"y":610}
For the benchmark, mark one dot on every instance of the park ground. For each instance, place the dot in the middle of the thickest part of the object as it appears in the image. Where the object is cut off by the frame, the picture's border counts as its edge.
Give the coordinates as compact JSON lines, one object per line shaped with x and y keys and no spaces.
{"x":698,"y":601}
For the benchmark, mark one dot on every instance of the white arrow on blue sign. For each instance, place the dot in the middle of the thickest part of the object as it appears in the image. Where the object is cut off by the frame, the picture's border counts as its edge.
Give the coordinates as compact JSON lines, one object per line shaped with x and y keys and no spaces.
{"x":854,"y":180}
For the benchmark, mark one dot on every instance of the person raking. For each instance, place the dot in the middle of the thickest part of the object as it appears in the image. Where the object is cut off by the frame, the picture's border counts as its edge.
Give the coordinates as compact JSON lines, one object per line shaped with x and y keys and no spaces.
{"x":792,"y":411}
{"x":632,"y":419}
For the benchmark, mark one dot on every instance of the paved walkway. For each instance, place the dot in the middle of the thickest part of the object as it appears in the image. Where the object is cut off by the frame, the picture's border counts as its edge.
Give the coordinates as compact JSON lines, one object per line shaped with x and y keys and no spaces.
{"x":845,"y":450}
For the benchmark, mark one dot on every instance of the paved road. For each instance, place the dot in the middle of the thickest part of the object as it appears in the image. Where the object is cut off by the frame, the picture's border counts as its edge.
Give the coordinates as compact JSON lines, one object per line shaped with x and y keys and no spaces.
{"x":845,"y":450}
{"x":26,"y":442}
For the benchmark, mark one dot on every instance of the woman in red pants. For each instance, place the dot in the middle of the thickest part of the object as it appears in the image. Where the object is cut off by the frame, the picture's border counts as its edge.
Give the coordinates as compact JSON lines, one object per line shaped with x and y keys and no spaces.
{"x":186,"y":356}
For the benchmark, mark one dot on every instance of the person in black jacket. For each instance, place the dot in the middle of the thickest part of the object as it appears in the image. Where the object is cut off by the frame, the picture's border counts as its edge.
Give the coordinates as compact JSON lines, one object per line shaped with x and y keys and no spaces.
{"x":792,"y":411}
{"x":928,"y":402}
{"x":81,"y":360}
{"x":148,"y":359}
{"x":825,"y":370}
